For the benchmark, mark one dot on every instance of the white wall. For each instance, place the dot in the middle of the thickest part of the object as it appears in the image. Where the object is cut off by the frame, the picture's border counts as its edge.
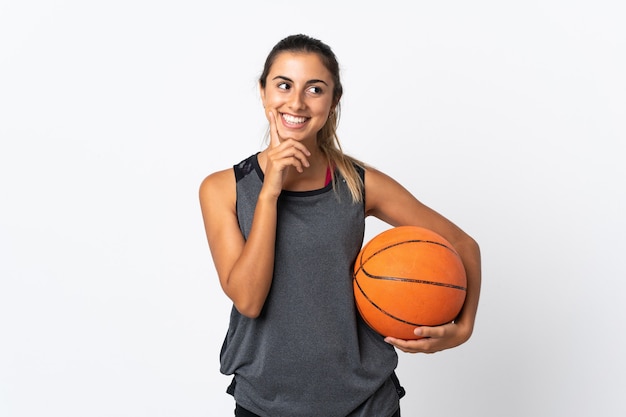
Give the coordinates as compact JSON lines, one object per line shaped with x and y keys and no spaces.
{"x":506,"y":117}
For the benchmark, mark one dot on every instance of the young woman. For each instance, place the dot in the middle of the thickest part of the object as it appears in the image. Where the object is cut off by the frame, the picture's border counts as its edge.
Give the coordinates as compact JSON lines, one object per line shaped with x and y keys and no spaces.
{"x":284,"y":227}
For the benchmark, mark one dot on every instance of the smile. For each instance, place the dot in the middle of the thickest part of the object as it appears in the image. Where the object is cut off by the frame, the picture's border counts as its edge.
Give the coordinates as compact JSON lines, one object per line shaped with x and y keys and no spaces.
{"x":293,"y":120}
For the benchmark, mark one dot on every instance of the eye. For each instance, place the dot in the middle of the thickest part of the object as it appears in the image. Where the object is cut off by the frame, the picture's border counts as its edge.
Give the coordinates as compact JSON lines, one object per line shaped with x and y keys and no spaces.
{"x":283,"y":86}
{"x":315,"y":89}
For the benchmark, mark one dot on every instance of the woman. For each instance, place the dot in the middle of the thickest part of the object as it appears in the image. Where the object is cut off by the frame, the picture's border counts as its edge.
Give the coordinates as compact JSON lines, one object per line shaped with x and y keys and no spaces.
{"x":284,"y":227}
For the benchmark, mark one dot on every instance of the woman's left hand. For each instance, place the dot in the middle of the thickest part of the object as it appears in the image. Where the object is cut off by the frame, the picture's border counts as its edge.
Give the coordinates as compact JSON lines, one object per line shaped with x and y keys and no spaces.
{"x":432,"y":339}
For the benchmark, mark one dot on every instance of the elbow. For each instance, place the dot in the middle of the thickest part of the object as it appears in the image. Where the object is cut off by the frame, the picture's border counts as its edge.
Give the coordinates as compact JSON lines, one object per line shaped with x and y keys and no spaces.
{"x":244,"y":301}
{"x":474,"y":246}
{"x":470,"y":244}
{"x":249,"y":309}
{"x":468,"y":249}
{"x":248,"y":295}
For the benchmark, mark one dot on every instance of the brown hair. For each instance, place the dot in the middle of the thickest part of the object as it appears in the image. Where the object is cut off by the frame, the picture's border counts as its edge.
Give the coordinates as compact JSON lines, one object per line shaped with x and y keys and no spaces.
{"x":327,"y":138}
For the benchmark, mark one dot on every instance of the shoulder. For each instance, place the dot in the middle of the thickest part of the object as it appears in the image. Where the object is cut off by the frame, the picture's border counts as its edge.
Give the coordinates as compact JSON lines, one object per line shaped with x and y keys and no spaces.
{"x":376,"y":180}
{"x":227,"y":178}
{"x":383,"y":194}
{"x":223,"y":184}
{"x":219,"y":185}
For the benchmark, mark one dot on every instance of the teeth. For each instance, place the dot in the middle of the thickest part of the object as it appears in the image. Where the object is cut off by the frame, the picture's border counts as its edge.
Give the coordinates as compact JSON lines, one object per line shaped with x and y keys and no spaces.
{"x":292,"y":119}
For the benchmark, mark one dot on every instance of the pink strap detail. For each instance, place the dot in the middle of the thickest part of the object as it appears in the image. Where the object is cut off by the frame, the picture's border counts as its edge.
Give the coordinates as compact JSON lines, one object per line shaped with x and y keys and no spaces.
{"x":329,"y":176}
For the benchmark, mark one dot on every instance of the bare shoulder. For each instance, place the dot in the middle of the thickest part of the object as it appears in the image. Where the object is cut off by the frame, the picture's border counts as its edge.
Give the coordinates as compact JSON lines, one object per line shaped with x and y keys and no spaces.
{"x":218,"y":179}
{"x":380,"y":187}
{"x":220,"y":186}
{"x":375,"y":176}
{"x":390,"y":201}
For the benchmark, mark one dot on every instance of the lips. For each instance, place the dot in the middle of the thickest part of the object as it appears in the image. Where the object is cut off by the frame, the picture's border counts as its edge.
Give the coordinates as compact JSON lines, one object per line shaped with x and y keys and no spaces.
{"x":293,"y":120}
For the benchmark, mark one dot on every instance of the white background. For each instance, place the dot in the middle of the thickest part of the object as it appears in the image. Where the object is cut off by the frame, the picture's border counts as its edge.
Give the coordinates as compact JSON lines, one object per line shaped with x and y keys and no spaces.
{"x":507,"y":117}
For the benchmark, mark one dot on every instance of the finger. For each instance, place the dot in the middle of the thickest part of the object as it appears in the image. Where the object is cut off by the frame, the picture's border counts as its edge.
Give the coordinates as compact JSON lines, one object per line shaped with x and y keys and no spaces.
{"x":301,"y":151}
{"x":403,"y":345}
{"x":412,"y":346}
{"x":425,"y":331}
{"x":274,"y":137}
{"x":292,"y":153}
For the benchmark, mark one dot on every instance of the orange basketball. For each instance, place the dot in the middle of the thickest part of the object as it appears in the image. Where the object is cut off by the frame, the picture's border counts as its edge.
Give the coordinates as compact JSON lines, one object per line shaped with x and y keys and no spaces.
{"x":407,"y":277}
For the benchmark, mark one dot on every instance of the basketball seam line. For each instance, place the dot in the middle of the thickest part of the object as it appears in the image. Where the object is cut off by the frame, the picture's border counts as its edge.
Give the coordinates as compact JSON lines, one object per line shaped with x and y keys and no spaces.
{"x":363,"y":262}
{"x":412,"y":241}
{"x":387,"y":313}
{"x":414,"y":280}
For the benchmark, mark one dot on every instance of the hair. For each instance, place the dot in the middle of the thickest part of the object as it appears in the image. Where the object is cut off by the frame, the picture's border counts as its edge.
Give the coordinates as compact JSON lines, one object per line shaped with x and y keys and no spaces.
{"x":327,"y":139}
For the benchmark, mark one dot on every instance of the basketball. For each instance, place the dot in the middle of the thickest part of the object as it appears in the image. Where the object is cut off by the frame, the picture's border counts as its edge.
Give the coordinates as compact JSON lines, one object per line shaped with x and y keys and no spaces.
{"x":407,"y":277}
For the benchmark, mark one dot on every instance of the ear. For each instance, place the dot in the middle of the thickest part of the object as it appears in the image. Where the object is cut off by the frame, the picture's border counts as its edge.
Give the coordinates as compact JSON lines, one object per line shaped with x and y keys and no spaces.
{"x":335,"y":102}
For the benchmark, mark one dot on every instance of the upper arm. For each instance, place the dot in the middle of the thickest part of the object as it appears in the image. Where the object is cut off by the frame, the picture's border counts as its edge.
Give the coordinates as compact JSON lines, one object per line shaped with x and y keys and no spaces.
{"x":218,"y":198}
{"x":389,"y":201}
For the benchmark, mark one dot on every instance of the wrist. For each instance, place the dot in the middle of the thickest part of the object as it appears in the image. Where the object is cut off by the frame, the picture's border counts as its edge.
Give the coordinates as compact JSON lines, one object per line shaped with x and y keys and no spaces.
{"x":464,"y":331}
{"x":268,"y":196}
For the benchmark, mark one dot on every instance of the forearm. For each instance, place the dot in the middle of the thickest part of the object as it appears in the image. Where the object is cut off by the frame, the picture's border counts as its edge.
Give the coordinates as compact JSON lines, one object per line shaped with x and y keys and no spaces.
{"x":250,"y":279}
{"x":470,"y":254}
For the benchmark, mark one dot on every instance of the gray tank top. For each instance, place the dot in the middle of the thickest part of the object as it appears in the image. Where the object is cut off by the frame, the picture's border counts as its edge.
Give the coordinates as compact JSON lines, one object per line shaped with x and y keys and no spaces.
{"x":309,"y":354}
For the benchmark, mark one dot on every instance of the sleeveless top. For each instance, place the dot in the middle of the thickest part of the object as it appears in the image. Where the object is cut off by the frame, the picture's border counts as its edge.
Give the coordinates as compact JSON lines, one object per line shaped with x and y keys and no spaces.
{"x":308,"y":354}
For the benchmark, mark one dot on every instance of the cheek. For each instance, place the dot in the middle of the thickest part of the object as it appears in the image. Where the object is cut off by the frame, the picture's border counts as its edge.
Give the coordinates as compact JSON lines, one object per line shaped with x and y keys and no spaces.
{"x":323,"y":110}
{"x":271,"y":100}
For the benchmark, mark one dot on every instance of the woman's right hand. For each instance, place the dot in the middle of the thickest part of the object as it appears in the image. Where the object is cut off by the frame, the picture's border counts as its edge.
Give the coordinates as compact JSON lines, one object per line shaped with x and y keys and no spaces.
{"x":282,"y":155}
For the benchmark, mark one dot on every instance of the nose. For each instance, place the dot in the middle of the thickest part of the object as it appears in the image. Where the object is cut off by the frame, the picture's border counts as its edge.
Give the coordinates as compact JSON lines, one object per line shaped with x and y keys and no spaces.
{"x":297,"y":101}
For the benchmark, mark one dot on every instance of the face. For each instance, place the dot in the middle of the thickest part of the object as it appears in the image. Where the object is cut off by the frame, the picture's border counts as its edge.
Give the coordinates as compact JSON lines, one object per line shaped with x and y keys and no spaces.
{"x":299,"y":90}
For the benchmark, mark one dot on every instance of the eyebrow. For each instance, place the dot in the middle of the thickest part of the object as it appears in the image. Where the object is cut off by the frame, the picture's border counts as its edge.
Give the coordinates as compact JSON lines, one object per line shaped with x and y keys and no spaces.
{"x":282,"y":77}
